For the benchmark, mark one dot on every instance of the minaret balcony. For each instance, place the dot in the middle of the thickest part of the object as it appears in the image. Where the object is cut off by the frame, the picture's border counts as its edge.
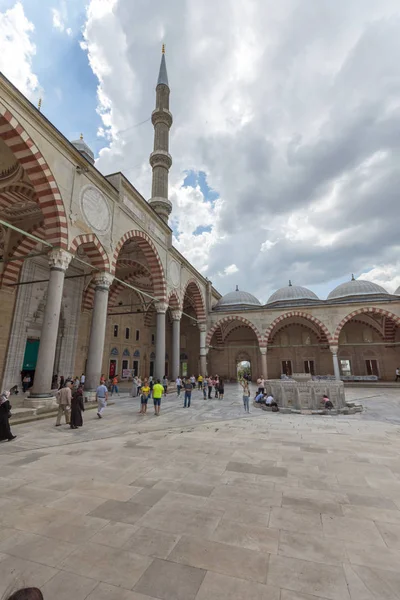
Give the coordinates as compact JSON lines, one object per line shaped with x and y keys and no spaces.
{"x":160,"y":158}
{"x":161,"y":115}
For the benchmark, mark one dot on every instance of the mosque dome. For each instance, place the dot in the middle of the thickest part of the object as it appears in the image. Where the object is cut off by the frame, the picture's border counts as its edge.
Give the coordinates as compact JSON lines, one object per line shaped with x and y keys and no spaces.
{"x":293,"y":295}
{"x":237,"y":299}
{"x":397,"y":292}
{"x":84,"y":149}
{"x":357,"y":288}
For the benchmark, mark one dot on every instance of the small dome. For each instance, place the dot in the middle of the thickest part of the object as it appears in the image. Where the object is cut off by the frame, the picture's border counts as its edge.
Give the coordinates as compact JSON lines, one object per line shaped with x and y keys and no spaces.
{"x":292,"y":294}
{"x":356,"y":287}
{"x":84,"y":149}
{"x":237,"y":299}
{"x":397,"y":292}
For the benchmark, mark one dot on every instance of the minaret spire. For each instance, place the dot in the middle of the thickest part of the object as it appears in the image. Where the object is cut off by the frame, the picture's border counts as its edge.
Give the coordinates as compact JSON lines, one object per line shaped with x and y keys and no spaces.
{"x":160,"y":159}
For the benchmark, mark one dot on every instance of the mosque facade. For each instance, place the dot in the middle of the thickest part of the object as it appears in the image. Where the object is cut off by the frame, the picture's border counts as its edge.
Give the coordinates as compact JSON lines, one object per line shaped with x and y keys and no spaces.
{"x":91,"y":283}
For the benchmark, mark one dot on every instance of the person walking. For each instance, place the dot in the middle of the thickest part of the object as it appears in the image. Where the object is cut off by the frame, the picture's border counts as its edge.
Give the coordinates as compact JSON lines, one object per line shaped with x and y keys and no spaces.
{"x":83,"y":379}
{"x":134,"y":387}
{"x":216,"y":386}
{"x":5,"y":408}
{"x":158,"y":390}
{"x":101,"y":397}
{"x":205,"y":388}
{"x":151,"y":385}
{"x":77,"y":408}
{"x":246,"y":394}
{"x":397,"y":374}
{"x":145,"y":390}
{"x":62,"y":382}
{"x":221,"y":389}
{"x":139,"y":386}
{"x":178,"y":383}
{"x":114,"y":386}
{"x":26,"y":383}
{"x":188,"y":392}
{"x":64,"y":397}
{"x":200,"y":382}
{"x":210,"y":385}
{"x":165,"y":384}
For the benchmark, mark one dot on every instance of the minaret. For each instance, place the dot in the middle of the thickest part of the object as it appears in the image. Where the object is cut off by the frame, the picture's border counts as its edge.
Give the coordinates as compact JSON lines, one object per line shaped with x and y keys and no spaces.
{"x":160,"y":159}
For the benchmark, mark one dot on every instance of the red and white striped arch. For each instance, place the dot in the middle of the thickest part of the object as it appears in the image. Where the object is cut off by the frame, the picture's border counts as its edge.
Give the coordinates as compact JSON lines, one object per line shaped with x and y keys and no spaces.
{"x":174,"y":301}
{"x":22,"y":248}
{"x":93,"y":250}
{"x":47,"y":193}
{"x":302,"y":315}
{"x":367,"y":310}
{"x":234,"y":318}
{"x":193,"y":290}
{"x":153,"y":260}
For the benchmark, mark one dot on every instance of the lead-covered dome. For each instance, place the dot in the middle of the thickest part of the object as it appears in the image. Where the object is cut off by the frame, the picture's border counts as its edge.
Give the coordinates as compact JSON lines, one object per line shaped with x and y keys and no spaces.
{"x":292,"y":295}
{"x":397,"y":292}
{"x":356,"y":288}
{"x":84,"y":149}
{"x":237,"y":299}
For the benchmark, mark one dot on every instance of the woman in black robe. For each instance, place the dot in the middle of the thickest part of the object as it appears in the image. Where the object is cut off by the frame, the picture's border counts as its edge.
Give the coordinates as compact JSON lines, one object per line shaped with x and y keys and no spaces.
{"x":5,"y":408}
{"x":77,"y":408}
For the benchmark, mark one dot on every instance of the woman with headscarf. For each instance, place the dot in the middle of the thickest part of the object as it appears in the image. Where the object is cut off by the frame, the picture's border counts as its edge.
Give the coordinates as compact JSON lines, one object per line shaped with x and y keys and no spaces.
{"x":5,"y":408}
{"x":77,"y":408}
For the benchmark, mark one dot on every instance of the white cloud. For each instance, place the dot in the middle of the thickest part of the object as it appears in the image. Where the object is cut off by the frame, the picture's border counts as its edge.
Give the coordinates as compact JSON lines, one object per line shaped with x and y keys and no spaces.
{"x":388,"y":276}
{"x":17,"y":50}
{"x":290,"y":110}
{"x":60,"y":17}
{"x":231,"y":269}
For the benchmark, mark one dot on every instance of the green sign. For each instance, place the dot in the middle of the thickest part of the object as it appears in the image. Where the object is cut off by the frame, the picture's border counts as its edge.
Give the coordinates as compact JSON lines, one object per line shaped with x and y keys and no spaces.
{"x":31,"y":354}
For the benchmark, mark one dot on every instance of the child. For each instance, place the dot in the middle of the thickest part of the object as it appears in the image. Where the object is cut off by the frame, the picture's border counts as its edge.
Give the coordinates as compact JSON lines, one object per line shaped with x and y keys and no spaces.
{"x":144,"y":397}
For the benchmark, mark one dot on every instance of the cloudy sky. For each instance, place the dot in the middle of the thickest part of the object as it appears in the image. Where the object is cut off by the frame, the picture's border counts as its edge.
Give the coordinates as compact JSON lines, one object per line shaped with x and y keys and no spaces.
{"x":286,"y":135}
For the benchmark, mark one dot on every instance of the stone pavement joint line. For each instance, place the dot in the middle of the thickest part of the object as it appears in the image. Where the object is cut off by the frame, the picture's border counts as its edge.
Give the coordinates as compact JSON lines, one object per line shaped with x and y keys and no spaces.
{"x":205,"y":503}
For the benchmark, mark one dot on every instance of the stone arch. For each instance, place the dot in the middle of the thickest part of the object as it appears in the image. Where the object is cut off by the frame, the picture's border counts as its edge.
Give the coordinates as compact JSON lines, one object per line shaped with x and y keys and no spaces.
{"x":193,"y":288}
{"x":360,"y":311}
{"x":296,"y":313}
{"x":46,"y":189}
{"x":22,"y":248}
{"x":93,"y":248}
{"x":152,"y":257}
{"x":234,"y":318}
{"x":173,"y":301}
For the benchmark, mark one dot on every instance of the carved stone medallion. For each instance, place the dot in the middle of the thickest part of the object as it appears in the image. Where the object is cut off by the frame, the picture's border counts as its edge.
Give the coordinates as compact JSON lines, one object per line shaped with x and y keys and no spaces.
{"x":95,"y":209}
{"x":174,"y":273}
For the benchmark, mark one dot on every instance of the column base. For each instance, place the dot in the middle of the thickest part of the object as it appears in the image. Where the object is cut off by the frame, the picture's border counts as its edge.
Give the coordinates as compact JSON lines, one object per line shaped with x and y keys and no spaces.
{"x":89,"y":396}
{"x":40,"y":401}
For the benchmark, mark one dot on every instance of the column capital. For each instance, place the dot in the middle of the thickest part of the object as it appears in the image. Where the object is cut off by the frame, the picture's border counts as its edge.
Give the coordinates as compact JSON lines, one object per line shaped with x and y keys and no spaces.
{"x":103,"y":280}
{"x":202,"y":326}
{"x":161,"y":306}
{"x":263,"y":350}
{"x":334,"y":349}
{"x":176,"y":315}
{"x":59,"y":259}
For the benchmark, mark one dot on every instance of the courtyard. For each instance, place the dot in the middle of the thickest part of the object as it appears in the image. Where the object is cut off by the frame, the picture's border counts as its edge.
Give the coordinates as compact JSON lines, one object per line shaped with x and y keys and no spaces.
{"x":205,"y":503}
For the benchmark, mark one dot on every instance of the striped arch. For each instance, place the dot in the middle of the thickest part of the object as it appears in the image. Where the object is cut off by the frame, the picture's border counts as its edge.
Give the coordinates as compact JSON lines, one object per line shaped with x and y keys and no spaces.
{"x":296,"y":313}
{"x":22,"y":248}
{"x":173,"y":301}
{"x":234,"y":318}
{"x":118,"y":287}
{"x":192,"y":289}
{"x":46,"y":190}
{"x":152,"y":257}
{"x":93,"y":249}
{"x":360,"y":311}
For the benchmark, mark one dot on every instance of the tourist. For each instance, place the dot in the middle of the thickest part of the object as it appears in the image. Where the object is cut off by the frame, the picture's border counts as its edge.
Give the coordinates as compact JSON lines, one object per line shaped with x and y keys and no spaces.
{"x":326,"y":402}
{"x":134,"y":388}
{"x":5,"y":408}
{"x":157,"y":395}
{"x":259,"y":397}
{"x":165,"y":384}
{"x":221,"y":389}
{"x":246,"y":394}
{"x":216,"y":386}
{"x":178,"y":383}
{"x":77,"y":383}
{"x":151,"y":385}
{"x":83,"y":379}
{"x":139,"y":385}
{"x":26,"y":382}
{"x":101,"y":397}
{"x":397,"y":374}
{"x":188,"y":392}
{"x":114,"y":386}
{"x":193,"y":381}
{"x":54,"y":382}
{"x":64,"y":397}
{"x":210,"y":385}
{"x":102,"y":379}
{"x":62,"y":382}
{"x":77,"y":408}
{"x":200,"y":382}
{"x":270,"y":401}
{"x":27,"y":594}
{"x":261,"y":384}
{"x":145,"y":391}
{"x":205,"y":388}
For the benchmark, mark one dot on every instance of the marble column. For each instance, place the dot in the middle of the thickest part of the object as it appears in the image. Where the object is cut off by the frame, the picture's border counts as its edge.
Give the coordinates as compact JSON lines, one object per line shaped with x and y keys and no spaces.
{"x":176,"y":343}
{"x":102,"y":283}
{"x":58,"y":261}
{"x":161,"y":309}
{"x":203,"y":349}
{"x":336,"y":368}
{"x":264,"y":368}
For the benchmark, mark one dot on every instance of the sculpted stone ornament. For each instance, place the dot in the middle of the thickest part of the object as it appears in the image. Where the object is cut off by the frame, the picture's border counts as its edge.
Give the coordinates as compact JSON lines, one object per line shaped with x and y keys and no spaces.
{"x":202,"y":327}
{"x":334,"y":349}
{"x":161,"y":306}
{"x":103,"y":280}
{"x":176,"y":315}
{"x":59,"y":259}
{"x":263,"y":350}
{"x":95,"y":209}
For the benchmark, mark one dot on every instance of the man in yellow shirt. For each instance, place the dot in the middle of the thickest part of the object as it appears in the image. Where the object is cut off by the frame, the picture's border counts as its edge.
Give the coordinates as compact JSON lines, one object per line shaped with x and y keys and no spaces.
{"x":145,"y":391}
{"x":200,"y":382}
{"x":158,"y":391}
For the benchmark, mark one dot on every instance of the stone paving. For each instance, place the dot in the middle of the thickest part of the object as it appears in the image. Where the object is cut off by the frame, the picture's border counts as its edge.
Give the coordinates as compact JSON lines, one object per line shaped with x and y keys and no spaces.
{"x":205,"y":503}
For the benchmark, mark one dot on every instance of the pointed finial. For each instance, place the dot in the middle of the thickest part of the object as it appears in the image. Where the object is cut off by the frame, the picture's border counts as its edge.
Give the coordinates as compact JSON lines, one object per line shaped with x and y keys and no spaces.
{"x":163,"y":49}
{"x":237,"y":288}
{"x":39,"y":104}
{"x":81,"y":136}
{"x":352,"y":277}
{"x":290,"y":283}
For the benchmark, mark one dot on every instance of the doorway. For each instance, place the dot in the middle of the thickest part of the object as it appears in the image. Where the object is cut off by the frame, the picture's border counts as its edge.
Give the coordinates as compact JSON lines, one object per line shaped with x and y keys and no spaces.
{"x":243,"y":369}
{"x":30,"y":357}
{"x":287,"y":367}
{"x":113,"y":368}
{"x":309,"y":367}
{"x":372,"y":367}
